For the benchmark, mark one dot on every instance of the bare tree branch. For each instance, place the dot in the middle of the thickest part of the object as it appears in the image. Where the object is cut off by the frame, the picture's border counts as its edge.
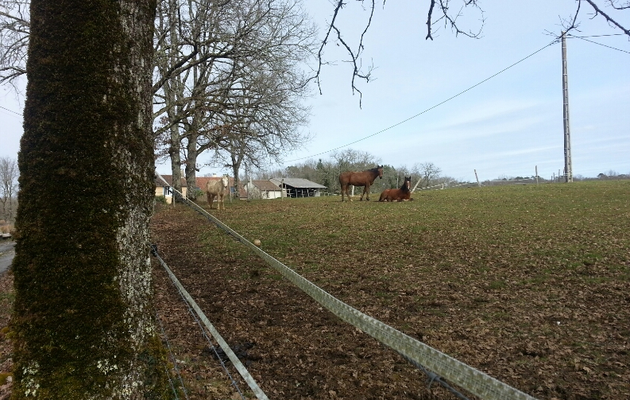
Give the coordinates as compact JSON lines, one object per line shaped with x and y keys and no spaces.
{"x":443,"y":8}
{"x":14,"y":32}
{"x":609,"y":19}
{"x":354,"y":54}
{"x":613,"y":4}
{"x":429,"y":25}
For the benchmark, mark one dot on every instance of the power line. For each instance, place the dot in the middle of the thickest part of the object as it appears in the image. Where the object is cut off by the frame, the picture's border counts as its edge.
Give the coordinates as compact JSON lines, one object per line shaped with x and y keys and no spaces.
{"x":597,"y":43}
{"x":11,"y":111}
{"x":433,"y":107}
{"x":598,"y":36}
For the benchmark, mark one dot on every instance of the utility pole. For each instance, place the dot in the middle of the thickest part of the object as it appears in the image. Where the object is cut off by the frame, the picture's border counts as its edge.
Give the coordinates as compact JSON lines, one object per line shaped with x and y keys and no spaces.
{"x":568,"y":168}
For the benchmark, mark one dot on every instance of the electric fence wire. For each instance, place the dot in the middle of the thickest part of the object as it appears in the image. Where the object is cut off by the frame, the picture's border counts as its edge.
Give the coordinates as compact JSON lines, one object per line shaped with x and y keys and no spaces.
{"x":556,"y":40}
{"x":433,"y":377}
{"x":198,"y":315}
{"x":173,"y":361}
{"x":205,"y":335}
{"x":473,"y":380}
{"x":216,"y":353}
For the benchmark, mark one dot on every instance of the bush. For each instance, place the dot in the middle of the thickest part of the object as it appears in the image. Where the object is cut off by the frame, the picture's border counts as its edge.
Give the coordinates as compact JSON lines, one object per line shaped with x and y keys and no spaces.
{"x":160,"y":199}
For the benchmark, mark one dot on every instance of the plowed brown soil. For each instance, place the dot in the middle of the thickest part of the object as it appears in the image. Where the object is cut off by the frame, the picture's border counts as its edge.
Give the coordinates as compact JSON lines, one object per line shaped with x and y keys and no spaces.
{"x":553,"y":339}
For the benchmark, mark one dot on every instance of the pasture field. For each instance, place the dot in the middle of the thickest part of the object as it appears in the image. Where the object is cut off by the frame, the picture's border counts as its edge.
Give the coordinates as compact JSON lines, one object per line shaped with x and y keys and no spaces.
{"x":529,"y":284}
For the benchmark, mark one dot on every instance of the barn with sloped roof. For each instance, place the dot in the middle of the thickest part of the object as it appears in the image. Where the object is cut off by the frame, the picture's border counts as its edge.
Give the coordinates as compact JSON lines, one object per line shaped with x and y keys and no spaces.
{"x":299,"y":187}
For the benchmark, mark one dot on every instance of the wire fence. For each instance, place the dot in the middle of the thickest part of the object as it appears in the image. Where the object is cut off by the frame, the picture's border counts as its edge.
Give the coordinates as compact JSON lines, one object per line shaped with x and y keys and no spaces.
{"x":203,"y":322}
{"x":439,"y":364}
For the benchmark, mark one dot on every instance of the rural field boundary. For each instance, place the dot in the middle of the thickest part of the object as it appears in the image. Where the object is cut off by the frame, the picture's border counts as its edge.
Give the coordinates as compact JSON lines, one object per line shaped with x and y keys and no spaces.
{"x":217,"y":336}
{"x":416,"y":352}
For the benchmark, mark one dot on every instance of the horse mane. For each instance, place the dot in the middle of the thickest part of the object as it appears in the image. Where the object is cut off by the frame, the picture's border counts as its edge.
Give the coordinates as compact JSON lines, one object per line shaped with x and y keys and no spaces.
{"x":375,"y":169}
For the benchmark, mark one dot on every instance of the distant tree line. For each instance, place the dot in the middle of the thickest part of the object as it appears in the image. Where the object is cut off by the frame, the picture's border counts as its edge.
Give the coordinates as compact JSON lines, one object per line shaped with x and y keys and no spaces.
{"x":504,"y":180}
{"x":326,"y":171}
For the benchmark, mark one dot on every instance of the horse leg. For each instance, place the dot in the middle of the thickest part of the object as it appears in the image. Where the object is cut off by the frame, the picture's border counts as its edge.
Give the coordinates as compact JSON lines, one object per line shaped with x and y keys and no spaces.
{"x":344,"y":188}
{"x":366,"y":192}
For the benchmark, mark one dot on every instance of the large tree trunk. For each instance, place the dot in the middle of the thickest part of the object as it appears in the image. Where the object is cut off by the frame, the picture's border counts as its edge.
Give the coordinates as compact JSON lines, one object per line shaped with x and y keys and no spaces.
{"x":82,"y":321}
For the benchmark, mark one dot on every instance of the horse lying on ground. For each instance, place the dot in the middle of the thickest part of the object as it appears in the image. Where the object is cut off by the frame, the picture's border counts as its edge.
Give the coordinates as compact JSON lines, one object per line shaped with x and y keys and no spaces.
{"x":365,"y":179}
{"x":404,"y":193}
{"x":217,"y":189}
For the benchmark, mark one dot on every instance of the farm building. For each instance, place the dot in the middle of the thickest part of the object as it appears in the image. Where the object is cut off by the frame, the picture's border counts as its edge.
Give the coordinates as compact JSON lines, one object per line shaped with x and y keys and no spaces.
{"x":298,"y":187}
{"x":262,"y":189}
{"x":256,"y":189}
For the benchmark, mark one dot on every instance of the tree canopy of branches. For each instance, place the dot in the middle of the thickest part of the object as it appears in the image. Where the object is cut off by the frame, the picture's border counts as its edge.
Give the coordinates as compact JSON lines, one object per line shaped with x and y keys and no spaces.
{"x":226,"y":77}
{"x":14,"y":34}
{"x":228,"y":81}
{"x":447,"y":13}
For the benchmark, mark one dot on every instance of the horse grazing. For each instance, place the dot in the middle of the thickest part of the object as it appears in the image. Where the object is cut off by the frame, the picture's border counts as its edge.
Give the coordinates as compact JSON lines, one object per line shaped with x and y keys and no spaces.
{"x":404,"y":193}
{"x":365,"y":179}
{"x":218,"y":190}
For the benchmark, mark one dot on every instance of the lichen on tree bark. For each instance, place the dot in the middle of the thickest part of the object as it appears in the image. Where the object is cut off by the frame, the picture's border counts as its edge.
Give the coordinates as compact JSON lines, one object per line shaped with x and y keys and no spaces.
{"x":82,"y":276}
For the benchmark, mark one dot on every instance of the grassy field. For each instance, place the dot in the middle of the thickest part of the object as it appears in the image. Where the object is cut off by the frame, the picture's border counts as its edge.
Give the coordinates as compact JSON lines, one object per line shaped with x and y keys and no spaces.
{"x":506,"y":236}
{"x":530,"y":284}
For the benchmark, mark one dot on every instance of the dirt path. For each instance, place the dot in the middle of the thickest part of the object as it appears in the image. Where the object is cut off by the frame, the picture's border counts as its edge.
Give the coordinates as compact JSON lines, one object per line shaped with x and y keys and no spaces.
{"x":6,"y":254}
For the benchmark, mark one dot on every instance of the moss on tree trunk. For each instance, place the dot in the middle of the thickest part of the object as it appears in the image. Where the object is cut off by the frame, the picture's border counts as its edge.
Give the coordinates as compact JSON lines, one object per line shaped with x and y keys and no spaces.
{"x":82,"y":274}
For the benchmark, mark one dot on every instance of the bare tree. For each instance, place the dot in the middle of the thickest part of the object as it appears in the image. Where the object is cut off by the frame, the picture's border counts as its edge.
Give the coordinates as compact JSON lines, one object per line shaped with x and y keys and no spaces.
{"x":440,"y":11}
{"x":609,"y":11}
{"x":264,"y":120}
{"x":14,"y":33}
{"x":350,"y":159}
{"x":8,"y":186}
{"x":428,"y":171}
{"x":240,"y":96}
{"x":82,"y":274}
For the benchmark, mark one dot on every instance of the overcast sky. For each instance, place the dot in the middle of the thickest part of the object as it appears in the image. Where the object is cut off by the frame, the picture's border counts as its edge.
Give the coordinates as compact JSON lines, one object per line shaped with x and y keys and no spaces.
{"x":504,"y":127}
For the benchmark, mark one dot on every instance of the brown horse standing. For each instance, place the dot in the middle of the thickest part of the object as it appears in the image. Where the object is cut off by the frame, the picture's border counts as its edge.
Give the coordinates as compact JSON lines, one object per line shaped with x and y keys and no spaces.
{"x":365,"y":179}
{"x":404,"y":193}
